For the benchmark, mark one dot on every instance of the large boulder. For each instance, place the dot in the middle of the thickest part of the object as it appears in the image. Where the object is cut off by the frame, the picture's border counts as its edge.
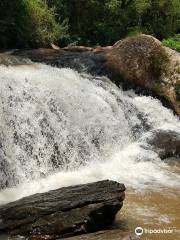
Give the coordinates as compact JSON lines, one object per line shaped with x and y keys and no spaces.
{"x":165,"y":142}
{"x":64,"y":212}
{"x":143,"y":61}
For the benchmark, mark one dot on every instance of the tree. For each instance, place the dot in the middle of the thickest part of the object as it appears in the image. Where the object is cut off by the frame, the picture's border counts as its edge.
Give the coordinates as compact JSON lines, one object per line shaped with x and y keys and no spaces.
{"x":89,"y":22}
{"x":161,"y":18}
{"x":106,"y":21}
{"x":28,"y":23}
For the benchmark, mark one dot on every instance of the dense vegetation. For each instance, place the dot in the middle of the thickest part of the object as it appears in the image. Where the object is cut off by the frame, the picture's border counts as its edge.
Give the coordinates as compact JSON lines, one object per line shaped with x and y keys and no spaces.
{"x":173,"y":42}
{"x":34,"y":23}
{"x":28,"y":23}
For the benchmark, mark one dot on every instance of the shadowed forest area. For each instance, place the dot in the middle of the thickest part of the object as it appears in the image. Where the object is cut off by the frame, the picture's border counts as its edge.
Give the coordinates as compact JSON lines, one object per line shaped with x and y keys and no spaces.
{"x":37,"y":23}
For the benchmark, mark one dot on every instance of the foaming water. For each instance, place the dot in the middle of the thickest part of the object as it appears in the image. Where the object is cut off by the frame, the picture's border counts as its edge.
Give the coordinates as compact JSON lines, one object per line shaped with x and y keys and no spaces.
{"x":60,"y":128}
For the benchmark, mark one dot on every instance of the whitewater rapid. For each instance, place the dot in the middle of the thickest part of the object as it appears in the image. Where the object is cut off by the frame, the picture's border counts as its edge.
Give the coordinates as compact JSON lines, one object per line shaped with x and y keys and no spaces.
{"x":60,"y":128}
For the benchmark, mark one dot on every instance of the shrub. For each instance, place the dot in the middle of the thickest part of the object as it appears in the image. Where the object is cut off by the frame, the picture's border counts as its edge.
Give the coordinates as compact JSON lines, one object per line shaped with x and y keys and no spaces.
{"x":173,"y":42}
{"x":107,"y":21}
{"x":28,"y":23}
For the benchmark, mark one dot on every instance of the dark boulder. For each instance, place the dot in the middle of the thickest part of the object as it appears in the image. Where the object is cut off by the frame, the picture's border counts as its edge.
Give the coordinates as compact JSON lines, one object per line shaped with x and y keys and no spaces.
{"x":114,"y":234}
{"x":64,"y":212}
{"x":165,"y":142}
{"x":82,"y":61}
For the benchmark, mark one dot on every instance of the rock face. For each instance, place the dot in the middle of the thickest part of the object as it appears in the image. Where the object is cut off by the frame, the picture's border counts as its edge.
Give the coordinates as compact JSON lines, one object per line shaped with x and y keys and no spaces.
{"x":75,"y":58}
{"x":143,"y":61}
{"x":105,"y":235}
{"x":64,"y":212}
{"x":140,"y":62}
{"x":165,"y":142}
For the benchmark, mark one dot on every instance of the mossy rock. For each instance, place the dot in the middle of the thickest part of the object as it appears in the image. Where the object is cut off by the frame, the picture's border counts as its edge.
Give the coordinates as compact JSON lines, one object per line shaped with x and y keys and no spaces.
{"x":143,"y":61}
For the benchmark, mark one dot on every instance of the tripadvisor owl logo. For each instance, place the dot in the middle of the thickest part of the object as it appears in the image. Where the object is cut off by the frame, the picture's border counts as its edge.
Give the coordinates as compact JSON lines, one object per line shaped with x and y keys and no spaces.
{"x":139,"y":231}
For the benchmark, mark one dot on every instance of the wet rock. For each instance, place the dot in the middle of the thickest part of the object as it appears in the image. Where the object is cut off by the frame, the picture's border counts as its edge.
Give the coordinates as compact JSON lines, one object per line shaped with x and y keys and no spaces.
{"x":64,"y":212}
{"x":78,"y":49}
{"x":83,"y":61}
{"x":8,"y":58}
{"x":165,"y":142}
{"x":105,"y":235}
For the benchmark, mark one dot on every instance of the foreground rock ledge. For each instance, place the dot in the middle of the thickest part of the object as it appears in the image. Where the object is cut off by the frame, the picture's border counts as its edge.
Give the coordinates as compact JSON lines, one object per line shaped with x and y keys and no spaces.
{"x":113,"y":234}
{"x":64,"y":212}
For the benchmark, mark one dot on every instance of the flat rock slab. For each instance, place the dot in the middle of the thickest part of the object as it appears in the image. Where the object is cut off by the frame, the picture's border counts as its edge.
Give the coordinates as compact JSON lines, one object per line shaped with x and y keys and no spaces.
{"x":64,"y":212}
{"x":105,"y":235}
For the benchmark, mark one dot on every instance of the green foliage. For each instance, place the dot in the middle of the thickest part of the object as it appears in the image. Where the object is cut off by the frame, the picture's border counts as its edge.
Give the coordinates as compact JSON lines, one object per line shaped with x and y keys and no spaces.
{"x":89,"y":22}
{"x":172,"y":42}
{"x":134,"y":32}
{"x":41,"y":27}
{"x":28,"y":23}
{"x":161,"y":18}
{"x":106,"y":21}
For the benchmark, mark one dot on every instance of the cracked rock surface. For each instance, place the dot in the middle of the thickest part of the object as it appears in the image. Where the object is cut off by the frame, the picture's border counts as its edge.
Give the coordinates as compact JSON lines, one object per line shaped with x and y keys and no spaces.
{"x":64,"y":212}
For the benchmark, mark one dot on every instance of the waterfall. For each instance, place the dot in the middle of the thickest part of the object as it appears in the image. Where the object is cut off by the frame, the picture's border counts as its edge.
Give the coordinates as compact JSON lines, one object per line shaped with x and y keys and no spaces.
{"x":59,"y":127}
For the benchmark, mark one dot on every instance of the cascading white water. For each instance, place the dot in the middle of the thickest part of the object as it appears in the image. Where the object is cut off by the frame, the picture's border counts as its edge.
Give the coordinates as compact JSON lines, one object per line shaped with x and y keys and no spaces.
{"x":59,"y":128}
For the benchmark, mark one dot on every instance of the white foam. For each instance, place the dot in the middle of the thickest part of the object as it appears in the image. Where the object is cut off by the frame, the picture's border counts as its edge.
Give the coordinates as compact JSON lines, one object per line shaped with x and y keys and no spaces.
{"x":76,"y":129}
